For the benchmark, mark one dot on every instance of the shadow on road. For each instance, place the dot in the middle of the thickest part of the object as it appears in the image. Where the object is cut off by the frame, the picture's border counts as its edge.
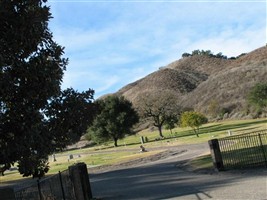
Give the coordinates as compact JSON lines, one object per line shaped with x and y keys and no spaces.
{"x":163,"y":181}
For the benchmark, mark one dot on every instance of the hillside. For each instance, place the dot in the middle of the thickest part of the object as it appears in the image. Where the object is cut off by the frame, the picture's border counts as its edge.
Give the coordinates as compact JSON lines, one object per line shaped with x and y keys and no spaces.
{"x":199,"y":80}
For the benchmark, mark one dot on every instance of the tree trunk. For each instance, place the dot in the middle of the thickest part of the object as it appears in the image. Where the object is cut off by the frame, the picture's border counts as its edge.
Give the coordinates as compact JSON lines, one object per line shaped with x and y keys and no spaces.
{"x":196,"y":132}
{"x":160,"y":132}
{"x":115,"y":142}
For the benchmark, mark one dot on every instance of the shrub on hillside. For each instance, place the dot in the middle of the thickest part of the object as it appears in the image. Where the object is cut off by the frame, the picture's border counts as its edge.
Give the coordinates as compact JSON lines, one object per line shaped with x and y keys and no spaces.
{"x":257,"y":96}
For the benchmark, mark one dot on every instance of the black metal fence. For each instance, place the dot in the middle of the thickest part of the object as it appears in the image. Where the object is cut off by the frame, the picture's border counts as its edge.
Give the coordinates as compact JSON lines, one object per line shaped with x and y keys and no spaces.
{"x":246,"y":150}
{"x":55,"y":187}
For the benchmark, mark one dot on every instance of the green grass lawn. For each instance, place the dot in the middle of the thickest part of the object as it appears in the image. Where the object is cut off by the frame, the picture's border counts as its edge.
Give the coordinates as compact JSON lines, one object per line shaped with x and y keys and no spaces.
{"x":129,"y":147}
{"x":207,"y":132}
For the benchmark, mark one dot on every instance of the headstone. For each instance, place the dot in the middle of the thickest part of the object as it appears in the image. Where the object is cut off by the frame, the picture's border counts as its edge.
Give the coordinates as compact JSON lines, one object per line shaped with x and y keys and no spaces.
{"x":54,"y":158}
{"x":142,"y":140}
{"x":229,"y":133}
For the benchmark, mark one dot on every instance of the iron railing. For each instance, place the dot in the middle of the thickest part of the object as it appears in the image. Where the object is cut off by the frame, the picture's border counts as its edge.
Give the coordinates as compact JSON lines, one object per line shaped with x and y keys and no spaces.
{"x":245,"y":150}
{"x":55,"y":187}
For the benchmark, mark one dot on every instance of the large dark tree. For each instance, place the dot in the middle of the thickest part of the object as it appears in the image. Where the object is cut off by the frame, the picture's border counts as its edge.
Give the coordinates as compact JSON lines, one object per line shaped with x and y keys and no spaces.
{"x":114,"y":121}
{"x":36,"y":117}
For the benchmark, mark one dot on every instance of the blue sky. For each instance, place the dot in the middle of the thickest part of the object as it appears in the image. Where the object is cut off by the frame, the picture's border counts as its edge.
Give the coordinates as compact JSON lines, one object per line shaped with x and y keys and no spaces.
{"x":113,"y":43}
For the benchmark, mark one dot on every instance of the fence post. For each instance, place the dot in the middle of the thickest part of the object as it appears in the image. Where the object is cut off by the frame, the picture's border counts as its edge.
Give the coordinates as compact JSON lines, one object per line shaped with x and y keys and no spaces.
{"x":61,"y":184}
{"x":216,"y":154}
{"x":39,"y":189}
{"x":80,"y":179}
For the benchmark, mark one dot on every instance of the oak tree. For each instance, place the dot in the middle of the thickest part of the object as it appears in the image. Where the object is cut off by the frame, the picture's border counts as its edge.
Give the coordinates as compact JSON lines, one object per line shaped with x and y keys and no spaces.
{"x":159,"y":109}
{"x":114,"y":120}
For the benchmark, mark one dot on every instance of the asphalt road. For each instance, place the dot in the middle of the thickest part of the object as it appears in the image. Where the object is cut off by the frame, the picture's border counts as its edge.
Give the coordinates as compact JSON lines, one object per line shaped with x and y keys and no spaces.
{"x":164,"y":180}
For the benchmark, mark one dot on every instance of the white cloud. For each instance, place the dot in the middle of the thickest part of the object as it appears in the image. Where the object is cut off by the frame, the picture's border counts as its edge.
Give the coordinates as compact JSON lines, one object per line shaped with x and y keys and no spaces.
{"x":231,"y":43}
{"x":76,"y":40}
{"x":84,"y":80}
{"x":112,"y":44}
{"x":107,"y":84}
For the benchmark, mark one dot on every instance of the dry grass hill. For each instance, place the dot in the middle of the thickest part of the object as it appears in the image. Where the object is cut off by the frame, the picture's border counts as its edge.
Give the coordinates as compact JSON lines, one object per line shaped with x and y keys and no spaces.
{"x":202,"y":82}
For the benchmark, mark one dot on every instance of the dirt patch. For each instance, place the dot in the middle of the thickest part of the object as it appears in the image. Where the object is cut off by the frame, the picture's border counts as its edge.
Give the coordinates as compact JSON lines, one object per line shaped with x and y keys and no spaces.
{"x":137,"y":162}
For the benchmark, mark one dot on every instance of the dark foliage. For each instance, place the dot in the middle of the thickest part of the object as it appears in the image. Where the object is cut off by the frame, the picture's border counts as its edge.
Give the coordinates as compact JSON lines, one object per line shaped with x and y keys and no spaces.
{"x":114,"y":120}
{"x":257,"y":96}
{"x":36,"y":118}
{"x":210,"y":54}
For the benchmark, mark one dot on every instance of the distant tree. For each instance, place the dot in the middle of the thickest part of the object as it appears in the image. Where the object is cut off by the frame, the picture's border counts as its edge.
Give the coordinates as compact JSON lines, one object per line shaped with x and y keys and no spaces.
{"x":220,"y":55}
{"x":184,"y":55}
{"x":257,"y":96}
{"x":114,"y":121}
{"x":36,"y":117}
{"x":232,"y":58}
{"x":242,"y":54}
{"x":196,"y":52}
{"x":194,"y":120}
{"x":206,"y":53}
{"x":170,"y":122}
{"x":159,"y":108}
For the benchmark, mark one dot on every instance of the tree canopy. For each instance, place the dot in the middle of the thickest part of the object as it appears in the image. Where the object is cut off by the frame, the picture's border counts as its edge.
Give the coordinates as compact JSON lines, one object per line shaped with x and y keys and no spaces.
{"x":205,"y":53}
{"x":170,"y":122}
{"x":36,"y":117}
{"x":159,"y":109}
{"x":114,"y":120}
{"x":194,"y":120}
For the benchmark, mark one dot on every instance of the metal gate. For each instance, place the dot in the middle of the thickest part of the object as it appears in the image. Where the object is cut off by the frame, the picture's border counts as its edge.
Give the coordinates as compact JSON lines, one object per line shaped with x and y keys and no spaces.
{"x":58,"y":186}
{"x":246,"y":150}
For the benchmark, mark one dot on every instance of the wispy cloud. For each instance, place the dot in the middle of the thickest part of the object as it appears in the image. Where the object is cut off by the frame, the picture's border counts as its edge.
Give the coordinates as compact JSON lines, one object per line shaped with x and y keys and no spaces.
{"x":232,"y":43}
{"x":111,"y":44}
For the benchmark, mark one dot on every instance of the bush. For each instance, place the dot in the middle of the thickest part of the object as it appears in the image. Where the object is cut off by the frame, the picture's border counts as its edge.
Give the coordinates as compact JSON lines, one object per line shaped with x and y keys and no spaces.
{"x":257,"y":96}
{"x":194,"y":120}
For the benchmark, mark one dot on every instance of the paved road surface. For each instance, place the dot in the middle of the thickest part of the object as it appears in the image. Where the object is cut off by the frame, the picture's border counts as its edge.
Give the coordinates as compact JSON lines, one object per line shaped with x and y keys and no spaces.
{"x":164,"y":180}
